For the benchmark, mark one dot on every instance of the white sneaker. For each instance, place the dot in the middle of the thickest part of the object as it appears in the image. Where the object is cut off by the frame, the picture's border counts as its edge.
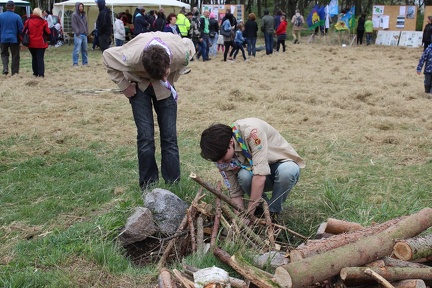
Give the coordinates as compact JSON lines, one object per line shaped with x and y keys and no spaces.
{"x":247,"y":59}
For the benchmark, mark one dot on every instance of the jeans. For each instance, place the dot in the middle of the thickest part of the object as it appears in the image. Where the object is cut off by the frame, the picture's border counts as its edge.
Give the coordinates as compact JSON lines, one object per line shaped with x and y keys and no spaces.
{"x":38,"y":64}
{"x":251,"y":45}
{"x":205,"y":47}
{"x":368,"y":38}
{"x":237,"y":47}
{"x":119,"y":42}
{"x":15,"y":51}
{"x":268,"y":38}
{"x":283,"y":177}
{"x":166,"y":111}
{"x":213,"y":48}
{"x":80,"y":42}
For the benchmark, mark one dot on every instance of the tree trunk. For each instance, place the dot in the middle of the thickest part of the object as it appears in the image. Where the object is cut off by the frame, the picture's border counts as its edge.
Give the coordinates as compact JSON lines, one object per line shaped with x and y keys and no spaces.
{"x":356,"y":275}
{"x":164,"y":279}
{"x":415,"y":248}
{"x":314,"y":247}
{"x":323,"y":266}
{"x":336,"y":226}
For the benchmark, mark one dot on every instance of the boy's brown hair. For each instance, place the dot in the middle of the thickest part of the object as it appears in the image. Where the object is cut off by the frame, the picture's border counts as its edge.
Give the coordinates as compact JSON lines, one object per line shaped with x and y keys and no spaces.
{"x":156,"y":61}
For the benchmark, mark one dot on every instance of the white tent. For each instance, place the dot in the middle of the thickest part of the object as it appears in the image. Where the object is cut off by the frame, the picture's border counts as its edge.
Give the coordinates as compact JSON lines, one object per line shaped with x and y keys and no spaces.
{"x":65,"y":9}
{"x":18,"y":3}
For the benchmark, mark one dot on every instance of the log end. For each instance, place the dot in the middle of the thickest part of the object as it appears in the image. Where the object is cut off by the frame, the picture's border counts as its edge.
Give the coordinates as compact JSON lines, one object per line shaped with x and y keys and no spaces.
{"x":402,"y":251}
{"x":283,"y":278}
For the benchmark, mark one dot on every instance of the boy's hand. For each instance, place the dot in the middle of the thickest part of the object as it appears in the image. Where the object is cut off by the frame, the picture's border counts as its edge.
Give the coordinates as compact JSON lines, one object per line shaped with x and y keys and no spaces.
{"x":130,"y":91}
{"x":418,"y":73}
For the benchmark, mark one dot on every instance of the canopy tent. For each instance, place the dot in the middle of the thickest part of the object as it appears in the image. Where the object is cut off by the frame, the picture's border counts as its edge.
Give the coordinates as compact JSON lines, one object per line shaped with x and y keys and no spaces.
{"x":18,"y":3}
{"x":65,"y":9}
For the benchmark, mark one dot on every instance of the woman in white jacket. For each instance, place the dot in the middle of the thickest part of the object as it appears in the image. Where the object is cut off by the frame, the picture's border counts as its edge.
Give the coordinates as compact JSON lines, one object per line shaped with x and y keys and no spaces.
{"x":119,"y":31}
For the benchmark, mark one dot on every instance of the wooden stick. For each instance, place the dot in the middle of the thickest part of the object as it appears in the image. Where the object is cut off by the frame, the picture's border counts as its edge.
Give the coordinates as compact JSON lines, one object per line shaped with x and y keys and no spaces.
{"x":186,"y":282}
{"x":164,"y":279}
{"x":379,"y":278}
{"x":251,"y":234}
{"x":191,"y":230}
{"x":410,"y":283}
{"x":392,"y":262}
{"x":180,"y":229}
{"x":200,"y":236}
{"x":269,"y":226}
{"x":353,"y":276}
{"x":218,"y":194}
{"x":259,"y":279}
{"x":216,"y":223}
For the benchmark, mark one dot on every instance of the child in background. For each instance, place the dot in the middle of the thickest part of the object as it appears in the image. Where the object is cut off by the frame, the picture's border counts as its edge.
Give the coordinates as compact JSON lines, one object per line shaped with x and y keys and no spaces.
{"x":238,"y":43}
{"x":368,"y":26}
{"x":426,"y":60}
{"x":281,"y":33}
{"x":220,"y":43}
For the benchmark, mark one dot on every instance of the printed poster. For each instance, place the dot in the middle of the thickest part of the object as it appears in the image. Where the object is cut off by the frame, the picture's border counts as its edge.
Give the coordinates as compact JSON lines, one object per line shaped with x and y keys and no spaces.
{"x":410,"y":12}
{"x":378,"y":10}
{"x":388,"y":38}
{"x":400,"y":21}
{"x":411,"y":39}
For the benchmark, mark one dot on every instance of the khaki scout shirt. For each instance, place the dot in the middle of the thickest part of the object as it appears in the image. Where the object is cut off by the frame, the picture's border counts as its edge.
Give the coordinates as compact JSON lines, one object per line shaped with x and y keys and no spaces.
{"x":124,"y":63}
{"x":266,"y":146}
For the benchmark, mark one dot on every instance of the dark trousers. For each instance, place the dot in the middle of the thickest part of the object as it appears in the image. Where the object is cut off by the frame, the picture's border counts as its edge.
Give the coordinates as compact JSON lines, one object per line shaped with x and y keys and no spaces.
{"x":166,"y":111}
{"x":104,"y":42}
{"x":268,"y":38}
{"x":227,"y":44}
{"x":279,"y":42}
{"x":237,"y":47}
{"x":360,"y":37}
{"x":425,"y":45}
{"x":428,"y":83}
{"x":15,"y":52}
{"x":38,"y":64}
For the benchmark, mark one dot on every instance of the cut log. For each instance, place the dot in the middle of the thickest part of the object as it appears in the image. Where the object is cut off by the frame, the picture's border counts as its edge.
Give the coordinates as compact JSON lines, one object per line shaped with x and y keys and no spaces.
{"x":411,"y":283}
{"x":255,"y":276}
{"x":414,"y":248}
{"x":164,"y":279}
{"x":315,"y":247}
{"x":336,"y":226}
{"x":323,"y":266}
{"x":392,"y":262}
{"x":356,"y":275}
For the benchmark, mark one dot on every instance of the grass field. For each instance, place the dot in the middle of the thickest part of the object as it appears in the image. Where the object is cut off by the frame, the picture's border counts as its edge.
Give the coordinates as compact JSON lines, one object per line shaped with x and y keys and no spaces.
{"x":68,"y":168}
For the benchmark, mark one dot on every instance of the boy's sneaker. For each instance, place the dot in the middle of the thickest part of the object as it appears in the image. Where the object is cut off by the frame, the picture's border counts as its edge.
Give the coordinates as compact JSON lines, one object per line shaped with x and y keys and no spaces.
{"x":247,"y":59}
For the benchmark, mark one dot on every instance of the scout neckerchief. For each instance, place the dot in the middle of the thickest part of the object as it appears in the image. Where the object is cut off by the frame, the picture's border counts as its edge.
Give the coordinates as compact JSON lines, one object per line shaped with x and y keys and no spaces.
{"x":237,"y":136}
{"x":157,"y":41}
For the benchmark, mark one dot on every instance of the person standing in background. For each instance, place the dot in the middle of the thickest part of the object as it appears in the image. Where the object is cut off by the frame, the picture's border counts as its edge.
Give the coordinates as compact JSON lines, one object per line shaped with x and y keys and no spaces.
{"x":213,"y":34}
{"x":250,"y":34}
{"x":119,"y":31}
{"x":80,"y":30}
{"x":369,"y":30}
{"x":427,"y":33}
{"x":37,"y":29}
{"x":361,"y":29}
{"x":11,"y":27}
{"x":298,"y":22}
{"x":267,"y":27}
{"x":104,"y":25}
{"x":183,"y":23}
{"x":47,"y":16}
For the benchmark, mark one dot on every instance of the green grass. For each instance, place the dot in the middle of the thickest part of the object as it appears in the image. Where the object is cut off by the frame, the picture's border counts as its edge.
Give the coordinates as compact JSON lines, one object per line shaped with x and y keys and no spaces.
{"x":62,"y":206}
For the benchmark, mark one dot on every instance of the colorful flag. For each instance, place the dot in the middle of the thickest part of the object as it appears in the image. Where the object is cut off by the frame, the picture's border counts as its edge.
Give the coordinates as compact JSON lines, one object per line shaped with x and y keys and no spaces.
{"x":327,"y":17}
{"x":333,"y":8}
{"x":347,"y":18}
{"x":314,"y":19}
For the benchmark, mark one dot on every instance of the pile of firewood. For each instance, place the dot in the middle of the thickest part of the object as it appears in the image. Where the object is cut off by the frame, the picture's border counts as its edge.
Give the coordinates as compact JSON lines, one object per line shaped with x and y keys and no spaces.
{"x":346,"y":254}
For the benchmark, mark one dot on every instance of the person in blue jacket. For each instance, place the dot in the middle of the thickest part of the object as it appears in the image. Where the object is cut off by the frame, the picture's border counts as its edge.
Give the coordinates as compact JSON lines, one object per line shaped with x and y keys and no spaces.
{"x":11,"y":28}
{"x":426,"y":61}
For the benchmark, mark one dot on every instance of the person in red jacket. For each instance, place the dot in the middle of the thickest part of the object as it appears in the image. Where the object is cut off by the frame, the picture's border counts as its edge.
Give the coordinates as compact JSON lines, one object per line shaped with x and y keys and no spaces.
{"x":38,"y":31}
{"x":281,"y":34}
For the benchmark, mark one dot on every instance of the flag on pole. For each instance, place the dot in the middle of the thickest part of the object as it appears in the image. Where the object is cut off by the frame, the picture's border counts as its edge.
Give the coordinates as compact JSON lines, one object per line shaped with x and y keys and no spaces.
{"x":349,"y":17}
{"x":314,"y":20}
{"x":333,"y":8}
{"x":327,"y":17}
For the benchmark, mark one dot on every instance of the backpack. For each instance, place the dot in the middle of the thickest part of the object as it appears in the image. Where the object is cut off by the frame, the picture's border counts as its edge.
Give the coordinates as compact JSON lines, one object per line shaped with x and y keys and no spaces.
{"x":298,"y":21}
{"x":194,"y":31}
